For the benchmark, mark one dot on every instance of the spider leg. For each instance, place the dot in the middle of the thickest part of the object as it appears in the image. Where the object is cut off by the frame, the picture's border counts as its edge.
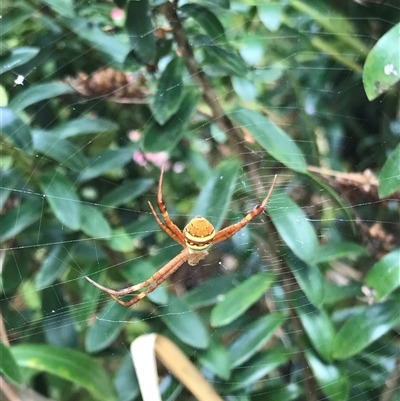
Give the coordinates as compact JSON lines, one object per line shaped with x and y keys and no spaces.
{"x":234,"y":228}
{"x":153,"y":282}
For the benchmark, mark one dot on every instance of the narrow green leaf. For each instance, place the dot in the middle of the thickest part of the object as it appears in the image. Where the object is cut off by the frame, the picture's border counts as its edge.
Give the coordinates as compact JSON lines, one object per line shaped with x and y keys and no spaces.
{"x":19,"y":218}
{"x":168,"y":98}
{"x":216,"y":195}
{"x":108,"y":325}
{"x":382,"y":65}
{"x":93,"y":223}
{"x":17,"y":57}
{"x":389,"y":177}
{"x":384,"y":277}
{"x":54,"y":265}
{"x":316,"y":324}
{"x":37,"y":93}
{"x":68,"y":364}
{"x":82,"y":126}
{"x":62,"y":7}
{"x":160,"y":138}
{"x":336,"y":250}
{"x":333,"y":382}
{"x":100,"y":163}
{"x":141,"y":30}
{"x":126,"y":192}
{"x":184,"y":323}
{"x":125,"y":381}
{"x":14,"y":129}
{"x":308,"y":277}
{"x":62,"y":198}
{"x":360,"y":330}
{"x":271,"y":15}
{"x":293,"y":226}
{"x":216,"y":358}
{"x":272,"y":138}
{"x":59,"y":149}
{"x":8,"y":365}
{"x":240,"y":298}
{"x":254,"y":337}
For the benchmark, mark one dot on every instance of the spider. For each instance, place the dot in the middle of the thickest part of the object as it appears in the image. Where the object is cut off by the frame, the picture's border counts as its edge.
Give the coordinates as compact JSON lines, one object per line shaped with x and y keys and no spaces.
{"x":196,"y":238}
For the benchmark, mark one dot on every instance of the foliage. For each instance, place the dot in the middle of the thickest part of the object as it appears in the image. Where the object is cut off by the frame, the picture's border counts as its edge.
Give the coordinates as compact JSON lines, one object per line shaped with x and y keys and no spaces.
{"x":95,"y":99}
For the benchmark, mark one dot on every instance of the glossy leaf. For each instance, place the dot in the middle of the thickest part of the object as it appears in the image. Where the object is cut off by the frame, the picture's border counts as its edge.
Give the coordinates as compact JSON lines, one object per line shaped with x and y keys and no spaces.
{"x":168,"y":98}
{"x":59,"y":149}
{"x":17,"y":57}
{"x":333,"y":382}
{"x":308,"y":277}
{"x":336,"y":250}
{"x":316,"y":324}
{"x":271,"y":138}
{"x":55,"y":264}
{"x":389,"y":177}
{"x":382,"y":66}
{"x":384,"y":277}
{"x":160,"y":138}
{"x":102,"y":162}
{"x":93,"y":223}
{"x":293,"y":226}
{"x":19,"y":218}
{"x":360,"y":330}
{"x":254,"y":337}
{"x":37,"y":93}
{"x":14,"y":129}
{"x":82,"y":126}
{"x":126,"y":192}
{"x":240,"y":298}
{"x":214,"y":200}
{"x":8,"y":366}
{"x":62,"y":198}
{"x":184,"y":323}
{"x":108,"y":325}
{"x":141,"y":30}
{"x":67,"y":364}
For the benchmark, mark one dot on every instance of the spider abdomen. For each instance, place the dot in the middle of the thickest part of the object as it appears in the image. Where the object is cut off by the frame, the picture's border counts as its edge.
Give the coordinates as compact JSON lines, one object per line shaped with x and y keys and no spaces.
{"x":199,"y":234}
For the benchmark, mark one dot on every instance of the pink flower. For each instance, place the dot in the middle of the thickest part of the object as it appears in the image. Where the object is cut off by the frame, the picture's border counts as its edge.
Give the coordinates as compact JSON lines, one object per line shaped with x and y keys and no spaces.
{"x":160,"y":159}
{"x":117,"y":14}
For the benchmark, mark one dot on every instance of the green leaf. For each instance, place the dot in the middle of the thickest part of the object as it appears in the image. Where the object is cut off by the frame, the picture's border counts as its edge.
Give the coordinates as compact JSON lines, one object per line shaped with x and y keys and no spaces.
{"x":293,"y":226}
{"x":8,"y":180}
{"x":216,"y":358}
{"x":308,"y":277}
{"x":240,"y":298}
{"x":125,"y":381}
{"x":333,"y":382}
{"x":59,"y":149}
{"x":108,"y":325}
{"x":54,"y":265}
{"x":141,"y":30}
{"x":68,"y":364}
{"x":19,"y":218}
{"x":258,"y":367}
{"x":17,"y":57}
{"x":216,"y":195}
{"x":244,"y":88}
{"x":37,"y":93}
{"x":206,"y":19}
{"x":120,"y":241}
{"x":254,"y":337}
{"x":8,"y":365}
{"x":126,"y":192}
{"x":271,"y":15}
{"x":271,"y":138}
{"x":362,"y":329}
{"x":160,"y":138}
{"x":82,"y":126}
{"x":102,"y":162}
{"x":62,"y":198}
{"x":316,"y":324}
{"x":15,"y":130}
{"x":389,"y":177}
{"x":336,"y":250}
{"x":184,"y":323}
{"x":382,"y":66}
{"x":384,"y":277}
{"x":62,"y":7}
{"x":93,"y":223}
{"x":168,"y":98}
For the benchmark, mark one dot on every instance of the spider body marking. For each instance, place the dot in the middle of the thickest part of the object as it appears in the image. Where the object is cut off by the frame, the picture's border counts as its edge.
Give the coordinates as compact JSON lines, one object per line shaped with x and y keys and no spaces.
{"x":196,"y":238}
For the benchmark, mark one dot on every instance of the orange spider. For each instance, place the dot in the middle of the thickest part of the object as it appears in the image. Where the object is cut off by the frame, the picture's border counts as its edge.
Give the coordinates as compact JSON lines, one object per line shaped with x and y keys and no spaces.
{"x":196,"y":238}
